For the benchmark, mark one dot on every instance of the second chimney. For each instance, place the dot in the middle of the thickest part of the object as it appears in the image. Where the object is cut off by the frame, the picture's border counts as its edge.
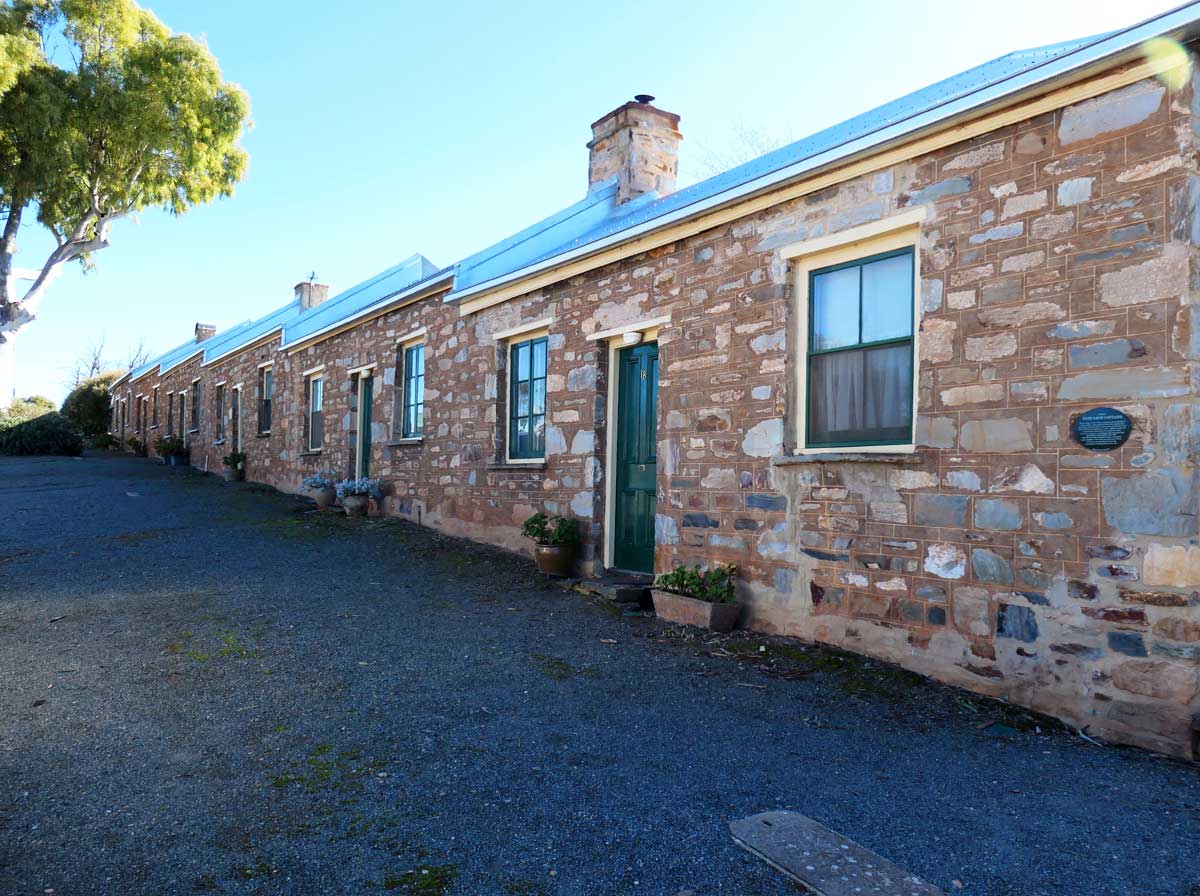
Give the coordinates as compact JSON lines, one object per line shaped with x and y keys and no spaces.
{"x":639,"y":144}
{"x":310,"y":295}
{"x":205,"y":331}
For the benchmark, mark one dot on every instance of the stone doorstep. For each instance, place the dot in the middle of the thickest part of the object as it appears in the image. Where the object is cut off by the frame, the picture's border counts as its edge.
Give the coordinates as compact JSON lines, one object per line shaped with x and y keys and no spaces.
{"x":822,"y":860}
{"x":621,"y":589}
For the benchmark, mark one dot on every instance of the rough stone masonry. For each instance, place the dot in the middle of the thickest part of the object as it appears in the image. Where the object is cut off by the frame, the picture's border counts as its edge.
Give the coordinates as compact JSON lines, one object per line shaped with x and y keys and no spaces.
{"x":1058,"y":272}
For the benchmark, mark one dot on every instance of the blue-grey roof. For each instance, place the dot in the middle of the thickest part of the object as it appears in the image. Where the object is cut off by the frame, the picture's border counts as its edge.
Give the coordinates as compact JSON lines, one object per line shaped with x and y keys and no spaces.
{"x":598,"y":217}
{"x":168,"y":359}
{"x":237,"y":337}
{"x":360,"y":299}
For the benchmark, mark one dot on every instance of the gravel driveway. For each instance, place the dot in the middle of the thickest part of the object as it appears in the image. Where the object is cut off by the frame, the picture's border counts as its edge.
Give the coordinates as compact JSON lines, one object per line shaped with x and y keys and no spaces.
{"x":208,"y":687}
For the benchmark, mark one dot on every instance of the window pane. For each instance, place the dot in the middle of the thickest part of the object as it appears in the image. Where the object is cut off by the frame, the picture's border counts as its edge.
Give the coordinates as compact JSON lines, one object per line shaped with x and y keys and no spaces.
{"x":418,"y":360}
{"x":522,"y":399}
{"x":539,"y":358}
{"x":521,"y":364}
{"x":835,"y":309}
{"x":539,"y":436}
{"x":521,"y":439}
{"x":835,"y":396}
{"x":889,"y":391}
{"x":887,"y":298}
{"x":539,"y":396}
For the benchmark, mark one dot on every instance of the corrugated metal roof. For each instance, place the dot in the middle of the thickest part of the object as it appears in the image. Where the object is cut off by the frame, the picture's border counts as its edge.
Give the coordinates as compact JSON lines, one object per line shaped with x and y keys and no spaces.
{"x":168,"y":359}
{"x":548,"y":243}
{"x":360,"y":298}
{"x":228,"y":342}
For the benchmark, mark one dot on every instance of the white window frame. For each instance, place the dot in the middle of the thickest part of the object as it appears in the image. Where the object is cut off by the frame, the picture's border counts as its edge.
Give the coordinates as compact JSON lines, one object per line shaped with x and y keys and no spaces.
{"x":237,"y":441}
{"x":315,"y":376}
{"x":263,"y":370}
{"x":219,"y":431}
{"x":403,"y":344}
{"x":899,"y":231}
{"x":197,"y":406}
{"x":522,"y":333}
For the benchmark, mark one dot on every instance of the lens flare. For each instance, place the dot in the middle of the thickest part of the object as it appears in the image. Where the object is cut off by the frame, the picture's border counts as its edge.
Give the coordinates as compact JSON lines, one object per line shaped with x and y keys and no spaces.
{"x":1170,"y":59}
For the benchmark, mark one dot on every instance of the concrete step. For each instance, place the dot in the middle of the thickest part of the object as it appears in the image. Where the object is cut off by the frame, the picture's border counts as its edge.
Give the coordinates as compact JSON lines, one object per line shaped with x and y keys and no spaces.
{"x":621,"y":590}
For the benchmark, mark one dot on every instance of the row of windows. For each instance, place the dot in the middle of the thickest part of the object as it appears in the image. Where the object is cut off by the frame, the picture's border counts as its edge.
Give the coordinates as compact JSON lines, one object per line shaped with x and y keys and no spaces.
{"x":858,"y":370}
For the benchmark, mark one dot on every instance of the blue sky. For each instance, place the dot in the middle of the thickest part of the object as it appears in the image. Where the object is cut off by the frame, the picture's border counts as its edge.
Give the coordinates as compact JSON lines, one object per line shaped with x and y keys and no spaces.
{"x":383,"y":129}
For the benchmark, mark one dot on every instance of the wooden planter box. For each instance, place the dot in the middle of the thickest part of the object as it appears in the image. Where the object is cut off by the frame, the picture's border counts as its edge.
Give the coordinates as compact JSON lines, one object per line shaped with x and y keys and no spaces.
{"x":689,"y":611}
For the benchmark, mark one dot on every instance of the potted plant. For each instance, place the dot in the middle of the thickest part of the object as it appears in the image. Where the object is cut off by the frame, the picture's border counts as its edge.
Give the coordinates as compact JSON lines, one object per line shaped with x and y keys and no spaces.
{"x":138,"y":447}
{"x":555,"y":540}
{"x":356,"y":494}
{"x":235,"y":466}
{"x":323,"y":488}
{"x":171,"y":449}
{"x":706,"y":598}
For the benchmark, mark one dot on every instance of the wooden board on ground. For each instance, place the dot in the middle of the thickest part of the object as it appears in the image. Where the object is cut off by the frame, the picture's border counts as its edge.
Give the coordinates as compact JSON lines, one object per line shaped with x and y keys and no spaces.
{"x":822,"y":860}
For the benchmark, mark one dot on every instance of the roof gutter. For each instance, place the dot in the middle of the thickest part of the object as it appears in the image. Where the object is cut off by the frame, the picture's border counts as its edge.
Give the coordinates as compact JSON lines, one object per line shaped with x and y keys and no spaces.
{"x":1105,"y":52}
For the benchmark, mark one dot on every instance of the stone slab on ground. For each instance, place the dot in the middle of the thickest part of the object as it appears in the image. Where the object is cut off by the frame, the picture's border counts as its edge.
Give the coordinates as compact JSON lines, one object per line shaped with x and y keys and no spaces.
{"x":823,"y":860}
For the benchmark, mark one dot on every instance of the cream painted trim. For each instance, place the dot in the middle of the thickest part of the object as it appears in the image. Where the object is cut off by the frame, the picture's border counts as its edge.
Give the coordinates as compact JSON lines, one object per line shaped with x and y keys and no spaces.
{"x":365,"y":368}
{"x":641,"y":326}
{"x":221,"y":383}
{"x":313,"y":371}
{"x":359,"y":422}
{"x":897,"y":232}
{"x":416,"y":335}
{"x":525,"y":330}
{"x":266,"y":364}
{"x":877,"y":161}
{"x":610,"y":443}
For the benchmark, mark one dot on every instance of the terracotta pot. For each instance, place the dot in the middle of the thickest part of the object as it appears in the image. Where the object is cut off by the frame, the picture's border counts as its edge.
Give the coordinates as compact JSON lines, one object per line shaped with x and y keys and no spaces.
{"x":690,"y":611}
{"x":555,"y":559}
{"x":325,"y":497}
{"x":356,"y":505}
{"x":232,"y":475}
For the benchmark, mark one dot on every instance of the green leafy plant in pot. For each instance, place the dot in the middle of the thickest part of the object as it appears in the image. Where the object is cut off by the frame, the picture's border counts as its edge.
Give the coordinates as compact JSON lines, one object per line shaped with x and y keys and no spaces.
{"x":698,"y":596}
{"x":556,"y":542}
{"x":235,"y":466}
{"x":172,"y":450}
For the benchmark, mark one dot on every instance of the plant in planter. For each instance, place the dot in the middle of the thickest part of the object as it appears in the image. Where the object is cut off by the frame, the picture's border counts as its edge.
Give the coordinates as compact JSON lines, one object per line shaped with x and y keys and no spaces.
{"x":323,"y":488}
{"x":138,"y":447}
{"x":556,"y":541}
{"x":171,"y":449}
{"x":235,"y":466}
{"x":703,"y":597}
{"x":356,"y":494}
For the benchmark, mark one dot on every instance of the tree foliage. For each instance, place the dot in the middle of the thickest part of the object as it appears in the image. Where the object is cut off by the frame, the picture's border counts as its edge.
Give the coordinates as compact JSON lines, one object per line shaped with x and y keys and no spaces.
{"x":88,"y":405}
{"x":135,"y":118}
{"x":23,"y":409}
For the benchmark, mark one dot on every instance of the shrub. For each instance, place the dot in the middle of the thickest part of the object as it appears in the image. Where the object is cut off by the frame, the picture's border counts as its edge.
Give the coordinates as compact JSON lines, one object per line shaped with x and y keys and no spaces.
{"x":50,"y":433}
{"x":23,"y":409}
{"x":542,"y":529}
{"x":89,"y":403}
{"x":368,"y":487}
{"x":103,"y":442}
{"x":712,"y":585}
{"x":138,"y":447}
{"x":235,"y":460}
{"x":169,"y":446}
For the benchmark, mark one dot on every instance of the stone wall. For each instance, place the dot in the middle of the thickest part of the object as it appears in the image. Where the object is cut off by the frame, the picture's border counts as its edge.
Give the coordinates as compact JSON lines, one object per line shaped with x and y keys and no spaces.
{"x":1058,"y":257}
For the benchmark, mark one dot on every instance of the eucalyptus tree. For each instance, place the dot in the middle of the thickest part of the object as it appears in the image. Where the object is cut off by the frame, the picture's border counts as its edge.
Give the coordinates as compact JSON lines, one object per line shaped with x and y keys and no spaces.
{"x":103,"y":112}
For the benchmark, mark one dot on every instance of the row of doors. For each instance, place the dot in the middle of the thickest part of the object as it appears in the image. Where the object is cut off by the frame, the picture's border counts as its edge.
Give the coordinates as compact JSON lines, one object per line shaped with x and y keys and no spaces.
{"x":635,"y":448}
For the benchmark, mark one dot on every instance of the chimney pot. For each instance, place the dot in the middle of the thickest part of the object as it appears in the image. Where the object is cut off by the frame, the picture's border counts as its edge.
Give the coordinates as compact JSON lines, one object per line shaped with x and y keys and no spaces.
{"x":205,"y":331}
{"x":639,"y":145}
{"x":310,"y":294}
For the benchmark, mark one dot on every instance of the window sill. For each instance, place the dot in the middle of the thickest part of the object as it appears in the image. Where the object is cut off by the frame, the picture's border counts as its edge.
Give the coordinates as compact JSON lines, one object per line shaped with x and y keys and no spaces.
{"x":311,"y":452}
{"x":401,"y":443}
{"x":263,"y":435}
{"x":849,"y":457}
{"x":532,"y":465}
{"x":218,"y":442}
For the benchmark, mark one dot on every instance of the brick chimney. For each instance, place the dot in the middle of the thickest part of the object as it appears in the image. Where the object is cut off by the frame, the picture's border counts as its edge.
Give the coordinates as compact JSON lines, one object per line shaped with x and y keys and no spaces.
{"x":205,"y":331}
{"x":639,"y":144}
{"x":311,"y":294}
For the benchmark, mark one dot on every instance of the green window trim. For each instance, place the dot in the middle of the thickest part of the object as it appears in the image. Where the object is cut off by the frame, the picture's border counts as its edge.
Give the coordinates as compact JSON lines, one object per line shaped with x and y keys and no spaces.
{"x":527,"y":398}
{"x":812,"y":352}
{"x":412,"y":411}
{"x":316,"y":413}
{"x":267,"y":390}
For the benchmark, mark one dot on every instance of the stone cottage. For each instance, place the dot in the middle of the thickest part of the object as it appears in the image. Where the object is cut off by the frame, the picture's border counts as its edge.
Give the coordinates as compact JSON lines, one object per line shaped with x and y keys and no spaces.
{"x":929,"y":378}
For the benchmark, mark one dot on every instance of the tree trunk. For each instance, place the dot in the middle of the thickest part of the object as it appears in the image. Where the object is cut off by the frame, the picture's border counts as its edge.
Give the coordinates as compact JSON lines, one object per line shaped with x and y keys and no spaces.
{"x":7,"y":367}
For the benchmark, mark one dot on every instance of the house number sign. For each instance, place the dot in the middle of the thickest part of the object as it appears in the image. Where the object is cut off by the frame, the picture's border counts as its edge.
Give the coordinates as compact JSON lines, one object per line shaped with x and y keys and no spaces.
{"x":1102,"y":429}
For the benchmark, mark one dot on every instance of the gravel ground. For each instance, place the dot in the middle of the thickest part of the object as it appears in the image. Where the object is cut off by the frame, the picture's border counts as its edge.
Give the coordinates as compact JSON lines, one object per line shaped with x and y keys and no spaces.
{"x":212,"y":688}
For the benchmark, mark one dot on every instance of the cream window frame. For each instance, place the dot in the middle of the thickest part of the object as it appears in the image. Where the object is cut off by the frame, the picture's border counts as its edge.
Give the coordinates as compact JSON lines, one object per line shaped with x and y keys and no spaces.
{"x":899,"y":231}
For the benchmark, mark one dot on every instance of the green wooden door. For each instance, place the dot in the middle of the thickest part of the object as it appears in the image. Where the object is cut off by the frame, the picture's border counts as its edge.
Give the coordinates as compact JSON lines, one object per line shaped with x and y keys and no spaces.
{"x":636,"y":460}
{"x":364,"y":426}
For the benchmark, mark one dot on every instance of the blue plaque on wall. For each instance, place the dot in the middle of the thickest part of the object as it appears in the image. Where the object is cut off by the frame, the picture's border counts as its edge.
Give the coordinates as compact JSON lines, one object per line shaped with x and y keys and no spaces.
{"x":1102,"y":429}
